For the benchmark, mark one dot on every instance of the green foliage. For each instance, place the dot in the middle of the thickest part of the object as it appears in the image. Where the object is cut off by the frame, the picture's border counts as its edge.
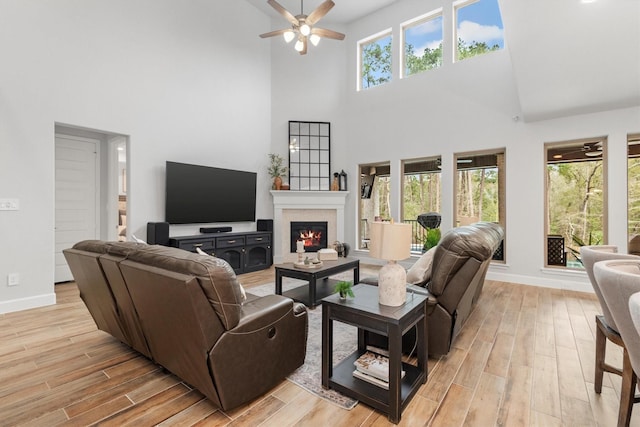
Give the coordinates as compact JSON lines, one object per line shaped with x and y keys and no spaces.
{"x":431,"y":58}
{"x":376,"y":63}
{"x":421,"y":194}
{"x":478,"y":194}
{"x":575,"y":203}
{"x":276,"y":168}
{"x":432,"y":238}
{"x":474,"y":48}
{"x":344,"y":288}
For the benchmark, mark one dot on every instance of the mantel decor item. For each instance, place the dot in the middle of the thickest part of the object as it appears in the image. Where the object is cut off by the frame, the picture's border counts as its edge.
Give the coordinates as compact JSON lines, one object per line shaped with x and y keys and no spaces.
{"x":277,"y":170}
{"x":392,"y":242}
{"x":343,"y":181}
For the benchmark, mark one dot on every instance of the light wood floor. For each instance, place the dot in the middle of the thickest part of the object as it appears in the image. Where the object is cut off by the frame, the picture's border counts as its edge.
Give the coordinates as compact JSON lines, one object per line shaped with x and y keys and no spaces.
{"x":525,"y":358}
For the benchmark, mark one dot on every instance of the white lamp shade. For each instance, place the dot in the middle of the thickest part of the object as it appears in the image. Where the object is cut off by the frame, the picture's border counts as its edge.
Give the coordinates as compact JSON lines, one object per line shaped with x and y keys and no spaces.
{"x":288,"y":35}
{"x":305,"y":29}
{"x":314,"y":39}
{"x":390,"y":241}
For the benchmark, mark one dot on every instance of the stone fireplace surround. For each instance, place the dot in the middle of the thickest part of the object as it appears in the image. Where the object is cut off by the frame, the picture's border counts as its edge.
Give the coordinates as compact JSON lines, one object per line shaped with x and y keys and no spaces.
{"x":292,"y":205}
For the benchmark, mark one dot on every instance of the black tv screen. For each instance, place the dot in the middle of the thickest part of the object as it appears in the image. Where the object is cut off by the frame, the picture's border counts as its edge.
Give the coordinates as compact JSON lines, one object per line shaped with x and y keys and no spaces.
{"x":202,"y":194}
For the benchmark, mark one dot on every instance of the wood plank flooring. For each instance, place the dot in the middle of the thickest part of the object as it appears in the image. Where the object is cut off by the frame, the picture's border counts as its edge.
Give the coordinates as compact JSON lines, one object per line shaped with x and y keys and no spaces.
{"x":525,"y":358}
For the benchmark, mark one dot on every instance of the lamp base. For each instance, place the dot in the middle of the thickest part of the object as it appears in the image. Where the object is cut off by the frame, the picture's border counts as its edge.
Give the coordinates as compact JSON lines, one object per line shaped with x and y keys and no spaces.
{"x":392,"y":285}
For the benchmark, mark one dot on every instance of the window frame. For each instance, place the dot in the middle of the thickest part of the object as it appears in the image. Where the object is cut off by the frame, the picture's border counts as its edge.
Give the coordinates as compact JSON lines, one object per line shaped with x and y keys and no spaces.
{"x":502,"y":191}
{"x":364,"y":42}
{"x":575,"y":143}
{"x":456,"y":6}
{"x":414,"y":22}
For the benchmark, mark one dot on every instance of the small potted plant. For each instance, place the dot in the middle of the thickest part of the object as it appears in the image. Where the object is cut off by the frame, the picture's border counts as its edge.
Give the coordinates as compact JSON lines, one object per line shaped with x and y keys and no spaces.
{"x":344,"y":288}
{"x":277,"y":170}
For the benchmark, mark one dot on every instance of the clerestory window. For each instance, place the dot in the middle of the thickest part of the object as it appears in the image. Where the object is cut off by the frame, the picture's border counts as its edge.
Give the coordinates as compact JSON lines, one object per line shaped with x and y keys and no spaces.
{"x":422,"y":41}
{"x":374,"y":60}
{"x":478,"y":28}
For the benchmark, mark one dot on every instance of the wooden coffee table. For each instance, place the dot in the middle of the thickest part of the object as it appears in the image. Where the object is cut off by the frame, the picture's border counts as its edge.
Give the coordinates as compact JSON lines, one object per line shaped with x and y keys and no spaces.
{"x":319,"y":284}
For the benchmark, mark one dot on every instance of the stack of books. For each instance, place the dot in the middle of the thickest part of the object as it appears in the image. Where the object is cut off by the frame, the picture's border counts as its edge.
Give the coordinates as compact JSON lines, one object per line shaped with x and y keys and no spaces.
{"x":373,"y":368}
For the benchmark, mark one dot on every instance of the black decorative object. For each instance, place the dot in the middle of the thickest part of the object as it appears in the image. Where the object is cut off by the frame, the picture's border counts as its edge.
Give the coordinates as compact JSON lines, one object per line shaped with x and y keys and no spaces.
{"x":343,"y":181}
{"x":429,"y":220}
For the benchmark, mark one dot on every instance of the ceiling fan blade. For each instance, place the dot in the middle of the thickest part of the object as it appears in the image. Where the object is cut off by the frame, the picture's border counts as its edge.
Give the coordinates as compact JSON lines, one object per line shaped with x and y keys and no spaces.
{"x":319,"y":12}
{"x":304,"y":46}
{"x":284,"y":12}
{"x":274,"y":33}
{"x":330,"y":34}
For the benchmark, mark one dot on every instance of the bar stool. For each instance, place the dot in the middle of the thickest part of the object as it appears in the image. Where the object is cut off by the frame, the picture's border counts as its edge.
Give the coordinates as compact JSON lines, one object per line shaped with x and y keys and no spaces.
{"x":606,"y":328}
{"x":618,"y":280}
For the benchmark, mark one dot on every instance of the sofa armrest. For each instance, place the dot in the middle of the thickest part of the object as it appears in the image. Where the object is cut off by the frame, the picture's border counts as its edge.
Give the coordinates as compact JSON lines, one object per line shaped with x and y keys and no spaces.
{"x":267,"y":345}
{"x":263,"y":311}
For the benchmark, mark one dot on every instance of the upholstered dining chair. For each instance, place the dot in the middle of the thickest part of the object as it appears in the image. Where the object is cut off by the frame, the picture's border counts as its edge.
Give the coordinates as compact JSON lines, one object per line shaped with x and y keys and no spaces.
{"x":606,"y":328}
{"x":618,"y":280}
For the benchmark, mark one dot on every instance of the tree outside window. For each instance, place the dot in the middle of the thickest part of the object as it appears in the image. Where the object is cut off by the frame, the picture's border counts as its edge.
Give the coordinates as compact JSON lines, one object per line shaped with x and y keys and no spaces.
{"x":575,"y":200}
{"x":479,"y":28}
{"x":633,"y":196}
{"x":421,"y":189}
{"x":422,"y":43}
{"x":480,"y":190}
{"x":375,"y":61}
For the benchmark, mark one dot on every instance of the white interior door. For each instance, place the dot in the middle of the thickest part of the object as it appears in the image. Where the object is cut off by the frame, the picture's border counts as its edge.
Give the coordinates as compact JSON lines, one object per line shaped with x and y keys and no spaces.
{"x":77,"y":196}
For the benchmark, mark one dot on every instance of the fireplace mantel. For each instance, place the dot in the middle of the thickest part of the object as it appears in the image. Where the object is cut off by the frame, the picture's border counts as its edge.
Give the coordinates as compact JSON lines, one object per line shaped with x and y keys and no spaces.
{"x":311,"y":203}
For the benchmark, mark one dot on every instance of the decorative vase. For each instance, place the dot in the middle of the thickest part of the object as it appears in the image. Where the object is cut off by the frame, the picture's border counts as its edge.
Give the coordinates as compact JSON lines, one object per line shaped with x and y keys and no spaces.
{"x":343,"y":296}
{"x":277,"y":183}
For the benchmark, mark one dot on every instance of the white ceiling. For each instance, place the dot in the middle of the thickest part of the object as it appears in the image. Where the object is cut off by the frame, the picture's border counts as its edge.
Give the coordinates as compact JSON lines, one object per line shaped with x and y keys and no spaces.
{"x":344,"y":11}
{"x":568,"y":57}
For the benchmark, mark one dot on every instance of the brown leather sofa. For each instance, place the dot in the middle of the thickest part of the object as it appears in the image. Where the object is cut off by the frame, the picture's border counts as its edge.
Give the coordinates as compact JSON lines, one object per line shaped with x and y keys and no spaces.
{"x":457,"y":273}
{"x":187,"y":312}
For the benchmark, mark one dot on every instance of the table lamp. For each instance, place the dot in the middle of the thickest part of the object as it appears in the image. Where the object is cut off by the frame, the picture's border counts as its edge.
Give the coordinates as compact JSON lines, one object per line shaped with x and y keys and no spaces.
{"x":391,"y":241}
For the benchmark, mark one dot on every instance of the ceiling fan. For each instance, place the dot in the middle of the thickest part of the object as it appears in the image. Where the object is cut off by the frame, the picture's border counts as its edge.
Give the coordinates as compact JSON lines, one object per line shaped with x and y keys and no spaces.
{"x":302,"y":26}
{"x":588,"y":149}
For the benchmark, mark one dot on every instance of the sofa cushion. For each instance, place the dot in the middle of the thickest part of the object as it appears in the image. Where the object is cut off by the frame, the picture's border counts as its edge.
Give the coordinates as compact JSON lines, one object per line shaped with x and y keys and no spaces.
{"x":215,"y":276}
{"x":420,"y":271}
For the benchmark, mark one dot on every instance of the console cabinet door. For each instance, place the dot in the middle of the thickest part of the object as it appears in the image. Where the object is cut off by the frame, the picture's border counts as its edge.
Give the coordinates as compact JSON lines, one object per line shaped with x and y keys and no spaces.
{"x":258,"y":257}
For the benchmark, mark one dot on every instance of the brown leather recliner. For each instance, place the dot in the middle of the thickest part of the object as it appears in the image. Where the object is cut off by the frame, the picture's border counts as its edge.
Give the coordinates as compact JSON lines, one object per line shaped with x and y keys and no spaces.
{"x":458,"y":270}
{"x":186,"y":312}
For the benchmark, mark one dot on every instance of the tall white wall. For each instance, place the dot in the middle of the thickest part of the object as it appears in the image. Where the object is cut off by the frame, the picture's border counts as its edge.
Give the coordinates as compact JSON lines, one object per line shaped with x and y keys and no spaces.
{"x":468,"y":106}
{"x":187,"y":81}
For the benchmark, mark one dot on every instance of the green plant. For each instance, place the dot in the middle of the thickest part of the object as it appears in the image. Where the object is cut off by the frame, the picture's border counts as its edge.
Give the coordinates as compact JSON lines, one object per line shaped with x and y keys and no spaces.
{"x":431,"y":239}
{"x":276,"y":168}
{"x":344,"y":288}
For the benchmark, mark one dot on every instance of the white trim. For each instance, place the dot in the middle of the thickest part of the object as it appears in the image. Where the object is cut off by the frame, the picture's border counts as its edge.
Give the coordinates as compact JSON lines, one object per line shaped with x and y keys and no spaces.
{"x":27,"y":303}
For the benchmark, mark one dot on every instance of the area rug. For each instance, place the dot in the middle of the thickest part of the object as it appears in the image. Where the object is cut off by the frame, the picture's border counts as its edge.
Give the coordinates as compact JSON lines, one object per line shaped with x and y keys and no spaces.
{"x":345,"y":339}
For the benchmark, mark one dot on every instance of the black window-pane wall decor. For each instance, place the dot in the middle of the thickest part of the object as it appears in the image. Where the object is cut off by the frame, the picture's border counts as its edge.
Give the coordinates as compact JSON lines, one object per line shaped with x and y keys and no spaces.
{"x":309,"y":155}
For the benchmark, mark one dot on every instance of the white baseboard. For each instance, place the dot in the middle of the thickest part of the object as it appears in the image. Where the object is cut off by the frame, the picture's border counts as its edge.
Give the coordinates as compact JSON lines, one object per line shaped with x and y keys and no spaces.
{"x":546,"y":282}
{"x":27,"y":303}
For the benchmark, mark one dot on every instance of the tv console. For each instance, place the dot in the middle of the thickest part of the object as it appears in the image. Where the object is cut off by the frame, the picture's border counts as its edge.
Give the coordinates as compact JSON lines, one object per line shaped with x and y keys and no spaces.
{"x":244,"y":251}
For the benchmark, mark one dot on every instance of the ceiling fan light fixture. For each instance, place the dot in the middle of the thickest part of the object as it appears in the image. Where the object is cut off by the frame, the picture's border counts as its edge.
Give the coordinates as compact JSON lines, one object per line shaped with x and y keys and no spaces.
{"x":288,"y":36}
{"x":595,"y":153}
{"x":314,"y":39}
{"x":299,"y":45}
{"x":305,"y":29}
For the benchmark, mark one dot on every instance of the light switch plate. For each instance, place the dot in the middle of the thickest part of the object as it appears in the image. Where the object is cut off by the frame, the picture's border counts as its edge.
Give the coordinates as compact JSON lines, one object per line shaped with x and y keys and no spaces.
{"x":9,"y":204}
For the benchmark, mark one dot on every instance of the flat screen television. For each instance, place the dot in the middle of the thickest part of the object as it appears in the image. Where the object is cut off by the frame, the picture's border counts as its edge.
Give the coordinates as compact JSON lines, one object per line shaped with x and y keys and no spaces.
{"x":203,"y":194}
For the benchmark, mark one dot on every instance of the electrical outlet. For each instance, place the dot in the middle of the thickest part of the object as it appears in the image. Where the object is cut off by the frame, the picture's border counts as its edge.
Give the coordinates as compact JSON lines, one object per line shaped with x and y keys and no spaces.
{"x":9,"y":204}
{"x":13,"y":279}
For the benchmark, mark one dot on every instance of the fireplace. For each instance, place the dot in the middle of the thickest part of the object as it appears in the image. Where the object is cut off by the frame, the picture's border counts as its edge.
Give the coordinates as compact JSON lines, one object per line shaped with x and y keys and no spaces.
{"x":312,"y":233}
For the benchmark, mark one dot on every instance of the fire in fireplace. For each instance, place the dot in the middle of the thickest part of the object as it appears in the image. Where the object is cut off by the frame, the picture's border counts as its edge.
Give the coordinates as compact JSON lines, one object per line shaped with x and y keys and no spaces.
{"x":312,"y":233}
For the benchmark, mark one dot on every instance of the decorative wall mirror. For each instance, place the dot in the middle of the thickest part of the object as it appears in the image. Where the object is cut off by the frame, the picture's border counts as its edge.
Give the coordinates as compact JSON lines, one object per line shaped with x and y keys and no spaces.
{"x":309,"y":155}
